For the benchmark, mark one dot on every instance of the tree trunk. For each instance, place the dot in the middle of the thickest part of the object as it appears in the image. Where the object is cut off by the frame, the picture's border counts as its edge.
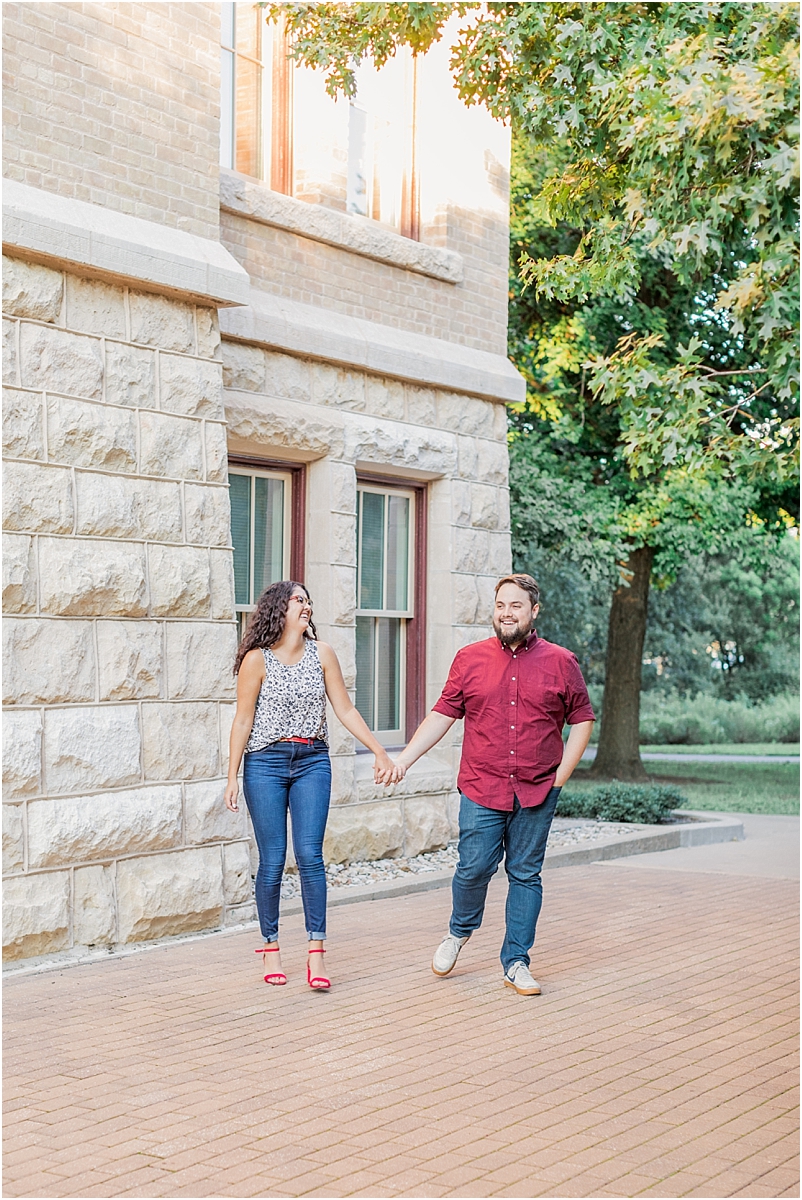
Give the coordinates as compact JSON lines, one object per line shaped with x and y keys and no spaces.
{"x":618,"y":756}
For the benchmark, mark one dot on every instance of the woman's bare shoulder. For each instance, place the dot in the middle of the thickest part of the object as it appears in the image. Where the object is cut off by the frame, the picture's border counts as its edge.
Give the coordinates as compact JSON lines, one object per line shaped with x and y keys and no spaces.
{"x":253,"y":663}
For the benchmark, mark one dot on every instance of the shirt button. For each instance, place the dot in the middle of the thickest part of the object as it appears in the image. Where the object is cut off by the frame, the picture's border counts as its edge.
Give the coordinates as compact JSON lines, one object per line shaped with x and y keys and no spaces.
{"x":512,"y":726}
{"x":512,"y":751}
{"x":513,"y":679}
{"x":512,"y":701}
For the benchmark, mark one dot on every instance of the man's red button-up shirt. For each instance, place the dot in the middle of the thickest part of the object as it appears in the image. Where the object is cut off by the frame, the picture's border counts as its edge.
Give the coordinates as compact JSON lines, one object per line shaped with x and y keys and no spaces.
{"x":515,"y":704}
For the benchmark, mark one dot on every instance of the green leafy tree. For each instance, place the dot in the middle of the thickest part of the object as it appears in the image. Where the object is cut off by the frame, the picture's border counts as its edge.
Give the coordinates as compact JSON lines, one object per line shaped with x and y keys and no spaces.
{"x":654,"y":309}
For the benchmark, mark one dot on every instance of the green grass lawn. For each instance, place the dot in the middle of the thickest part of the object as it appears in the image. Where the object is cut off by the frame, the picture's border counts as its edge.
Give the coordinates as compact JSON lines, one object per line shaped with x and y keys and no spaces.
{"x":724,"y":787}
{"x":770,"y":748}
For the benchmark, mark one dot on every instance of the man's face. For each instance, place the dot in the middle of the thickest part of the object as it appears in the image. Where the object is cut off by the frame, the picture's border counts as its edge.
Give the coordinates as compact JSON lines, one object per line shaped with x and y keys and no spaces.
{"x":513,"y":614}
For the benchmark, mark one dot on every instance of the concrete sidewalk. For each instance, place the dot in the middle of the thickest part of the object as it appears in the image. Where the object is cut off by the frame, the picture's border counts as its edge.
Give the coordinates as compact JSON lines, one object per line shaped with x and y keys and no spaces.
{"x":659,"y":1060}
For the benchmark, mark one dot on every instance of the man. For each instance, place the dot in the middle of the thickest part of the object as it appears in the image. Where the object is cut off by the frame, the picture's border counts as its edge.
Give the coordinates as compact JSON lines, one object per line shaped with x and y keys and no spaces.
{"x":516,"y":691}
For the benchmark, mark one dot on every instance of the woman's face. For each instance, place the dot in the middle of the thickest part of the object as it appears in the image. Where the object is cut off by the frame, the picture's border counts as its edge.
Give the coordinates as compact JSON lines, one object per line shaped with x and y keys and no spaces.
{"x":299,"y":611}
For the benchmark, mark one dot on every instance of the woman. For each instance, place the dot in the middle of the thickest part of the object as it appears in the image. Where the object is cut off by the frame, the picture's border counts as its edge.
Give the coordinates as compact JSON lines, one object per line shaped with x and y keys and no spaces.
{"x":283,"y":678}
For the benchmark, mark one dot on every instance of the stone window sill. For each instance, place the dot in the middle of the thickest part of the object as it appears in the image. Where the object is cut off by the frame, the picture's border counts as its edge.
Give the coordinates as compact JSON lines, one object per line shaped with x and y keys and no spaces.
{"x":249,"y":198}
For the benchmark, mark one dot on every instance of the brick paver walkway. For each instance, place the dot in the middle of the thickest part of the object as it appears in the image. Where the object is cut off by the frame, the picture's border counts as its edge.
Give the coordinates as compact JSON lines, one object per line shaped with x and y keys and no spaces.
{"x":659,"y":1060}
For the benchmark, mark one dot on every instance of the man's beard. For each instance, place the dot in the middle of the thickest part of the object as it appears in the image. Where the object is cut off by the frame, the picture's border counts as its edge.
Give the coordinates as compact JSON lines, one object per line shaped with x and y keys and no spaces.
{"x":509,"y":634}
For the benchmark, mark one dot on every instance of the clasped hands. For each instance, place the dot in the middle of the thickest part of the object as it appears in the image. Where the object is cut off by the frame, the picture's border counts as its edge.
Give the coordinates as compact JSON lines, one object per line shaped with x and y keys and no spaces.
{"x":386,"y":771}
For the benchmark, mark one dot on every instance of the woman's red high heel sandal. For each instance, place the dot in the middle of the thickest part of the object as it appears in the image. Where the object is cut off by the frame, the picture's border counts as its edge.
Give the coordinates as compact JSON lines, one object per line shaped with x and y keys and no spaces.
{"x":278,"y":977}
{"x":318,"y":983}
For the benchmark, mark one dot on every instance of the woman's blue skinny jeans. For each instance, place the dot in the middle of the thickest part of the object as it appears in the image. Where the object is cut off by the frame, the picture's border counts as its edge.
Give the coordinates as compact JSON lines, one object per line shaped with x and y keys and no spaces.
{"x":294,"y":776}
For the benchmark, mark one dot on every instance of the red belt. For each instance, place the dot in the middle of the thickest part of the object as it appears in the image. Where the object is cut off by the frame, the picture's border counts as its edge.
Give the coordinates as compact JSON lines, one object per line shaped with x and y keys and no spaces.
{"x":304,"y":741}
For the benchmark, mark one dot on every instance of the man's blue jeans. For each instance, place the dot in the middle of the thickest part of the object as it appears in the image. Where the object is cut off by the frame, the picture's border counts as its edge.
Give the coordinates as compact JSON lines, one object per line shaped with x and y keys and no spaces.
{"x":487,"y":835}
{"x":289,"y":775}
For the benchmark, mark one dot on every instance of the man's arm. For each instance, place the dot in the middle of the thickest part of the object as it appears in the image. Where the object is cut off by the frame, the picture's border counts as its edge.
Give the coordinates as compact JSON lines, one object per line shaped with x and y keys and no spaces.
{"x":428,"y":734}
{"x":574,"y":748}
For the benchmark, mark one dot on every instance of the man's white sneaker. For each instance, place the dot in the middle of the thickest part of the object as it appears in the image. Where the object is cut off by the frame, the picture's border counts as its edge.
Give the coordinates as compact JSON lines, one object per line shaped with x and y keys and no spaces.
{"x":447,"y":953}
{"x":518,"y":977}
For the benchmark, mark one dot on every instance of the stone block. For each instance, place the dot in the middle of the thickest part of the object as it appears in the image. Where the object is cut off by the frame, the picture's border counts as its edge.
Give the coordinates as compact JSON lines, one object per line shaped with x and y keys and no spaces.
{"x":421,"y":407}
{"x":200,"y":658}
{"x":130,"y":376}
{"x":90,"y":435}
{"x":180,"y":741}
{"x":499,"y":554}
{"x":171,"y":446}
{"x":385,"y":398}
{"x":467,"y":458}
{"x":19,"y":574}
{"x":342,"y":480}
{"x":485,"y":506}
{"x":191,"y":387}
{"x":493,"y":463}
{"x":470,"y":550}
{"x":92,"y":578}
{"x":274,"y":424}
{"x":206,"y":818}
{"x":466,"y":414}
{"x":358,"y":832}
{"x":37,"y":498}
{"x":22,"y":753}
{"x":82,"y":828}
{"x":22,"y":424}
{"x":243,"y":367}
{"x":129,"y":660}
{"x":460,"y":502}
{"x":221,"y":564}
{"x":95,"y":307}
{"x":9,"y":355}
{"x":393,"y":443}
{"x":208,"y":514}
{"x":94,"y":917}
{"x":113,"y":506}
{"x":88,"y":749}
{"x":67,"y":363}
{"x":286,"y":376}
{"x":343,"y":786}
{"x":338,"y":386}
{"x":30,"y":290}
{"x":237,"y":873}
{"x":486,"y":591}
{"x":48,"y":662}
{"x":465,"y":599}
{"x":207,"y":327}
{"x":342,"y":597}
{"x":157,"y":321}
{"x":500,"y":423}
{"x":243,"y":914}
{"x":13,"y":839}
{"x":179,"y":581}
{"x":342,"y":546}
{"x":426,"y":824}
{"x":216,"y":453}
{"x":36,"y":914}
{"x":166,"y":894}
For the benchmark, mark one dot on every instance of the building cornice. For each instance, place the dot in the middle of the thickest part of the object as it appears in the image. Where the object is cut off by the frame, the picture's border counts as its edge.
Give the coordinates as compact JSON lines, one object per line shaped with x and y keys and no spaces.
{"x":310,"y":332}
{"x":249,"y":198}
{"x":99,"y":242}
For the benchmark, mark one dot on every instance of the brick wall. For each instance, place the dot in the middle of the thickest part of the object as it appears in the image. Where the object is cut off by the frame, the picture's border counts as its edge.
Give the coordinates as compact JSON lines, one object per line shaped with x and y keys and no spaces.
{"x":116,"y":104}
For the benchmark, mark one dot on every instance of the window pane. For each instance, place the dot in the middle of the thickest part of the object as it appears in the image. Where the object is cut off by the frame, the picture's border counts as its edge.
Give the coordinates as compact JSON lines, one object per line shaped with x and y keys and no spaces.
{"x":268,"y":535}
{"x":397,"y":552}
{"x":388,"y":670}
{"x":248,"y":139}
{"x":227,"y":18}
{"x":371,"y":550}
{"x":365,"y":651}
{"x":240,"y":496}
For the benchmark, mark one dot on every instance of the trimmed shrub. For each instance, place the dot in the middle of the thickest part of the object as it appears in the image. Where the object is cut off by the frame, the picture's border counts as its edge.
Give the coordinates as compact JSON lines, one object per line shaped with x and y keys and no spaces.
{"x":706,"y":719}
{"x":639,"y":803}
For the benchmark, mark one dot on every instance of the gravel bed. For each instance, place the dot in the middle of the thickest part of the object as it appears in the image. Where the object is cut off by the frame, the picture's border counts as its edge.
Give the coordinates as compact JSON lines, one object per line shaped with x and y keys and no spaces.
{"x":564,"y":832}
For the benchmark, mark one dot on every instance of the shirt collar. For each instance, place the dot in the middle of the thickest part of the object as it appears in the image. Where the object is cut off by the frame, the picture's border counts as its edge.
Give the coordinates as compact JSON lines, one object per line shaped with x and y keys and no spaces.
{"x":527,"y":645}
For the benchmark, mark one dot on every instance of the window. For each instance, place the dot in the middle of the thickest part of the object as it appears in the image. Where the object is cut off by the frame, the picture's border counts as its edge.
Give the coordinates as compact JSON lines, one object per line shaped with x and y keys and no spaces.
{"x":382,"y":176}
{"x":268,"y":522}
{"x":255,"y":96}
{"x":385,"y":590}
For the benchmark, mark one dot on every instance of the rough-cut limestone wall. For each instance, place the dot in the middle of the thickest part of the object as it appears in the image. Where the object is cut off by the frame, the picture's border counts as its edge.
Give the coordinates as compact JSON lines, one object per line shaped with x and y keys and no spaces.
{"x":342,"y":420}
{"x":119,"y":630}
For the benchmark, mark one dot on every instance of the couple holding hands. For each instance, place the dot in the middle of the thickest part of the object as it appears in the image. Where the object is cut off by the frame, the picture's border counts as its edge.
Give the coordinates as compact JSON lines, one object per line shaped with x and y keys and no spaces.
{"x":515,"y":691}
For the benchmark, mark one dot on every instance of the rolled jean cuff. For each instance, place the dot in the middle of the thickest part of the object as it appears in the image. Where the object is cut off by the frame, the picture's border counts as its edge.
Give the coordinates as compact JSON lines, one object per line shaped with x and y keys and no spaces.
{"x":316,"y":937}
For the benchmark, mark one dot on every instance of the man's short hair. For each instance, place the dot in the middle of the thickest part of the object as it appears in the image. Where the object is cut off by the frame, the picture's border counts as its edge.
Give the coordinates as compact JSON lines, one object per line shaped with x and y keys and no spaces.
{"x":526,"y":583}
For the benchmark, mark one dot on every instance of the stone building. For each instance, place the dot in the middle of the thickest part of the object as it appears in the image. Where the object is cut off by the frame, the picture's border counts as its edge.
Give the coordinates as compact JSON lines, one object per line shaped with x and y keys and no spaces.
{"x":249,"y":333}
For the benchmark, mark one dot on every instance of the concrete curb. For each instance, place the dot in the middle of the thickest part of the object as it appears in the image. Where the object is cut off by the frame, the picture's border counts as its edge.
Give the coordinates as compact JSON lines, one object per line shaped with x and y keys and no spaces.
{"x":700,"y":830}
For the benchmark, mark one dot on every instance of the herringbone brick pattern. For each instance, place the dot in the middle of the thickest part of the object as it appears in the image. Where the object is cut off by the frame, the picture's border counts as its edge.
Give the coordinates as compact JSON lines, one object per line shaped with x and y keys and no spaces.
{"x":659,"y":1060}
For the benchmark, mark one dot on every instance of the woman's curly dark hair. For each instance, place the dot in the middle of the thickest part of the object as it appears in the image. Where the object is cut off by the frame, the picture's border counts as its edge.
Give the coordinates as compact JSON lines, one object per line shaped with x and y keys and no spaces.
{"x":267,"y":623}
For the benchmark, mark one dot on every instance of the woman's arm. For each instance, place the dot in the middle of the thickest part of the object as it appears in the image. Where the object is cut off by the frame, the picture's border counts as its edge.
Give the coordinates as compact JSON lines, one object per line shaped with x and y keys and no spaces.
{"x":249,"y":681}
{"x":384,"y":769}
{"x":575,"y":747}
{"x":431,"y":729}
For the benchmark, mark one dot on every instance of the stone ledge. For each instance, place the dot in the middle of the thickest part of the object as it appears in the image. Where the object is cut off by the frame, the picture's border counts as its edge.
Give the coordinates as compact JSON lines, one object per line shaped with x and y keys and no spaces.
{"x":244,"y":197}
{"x":305,"y":330}
{"x":55,"y":230}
